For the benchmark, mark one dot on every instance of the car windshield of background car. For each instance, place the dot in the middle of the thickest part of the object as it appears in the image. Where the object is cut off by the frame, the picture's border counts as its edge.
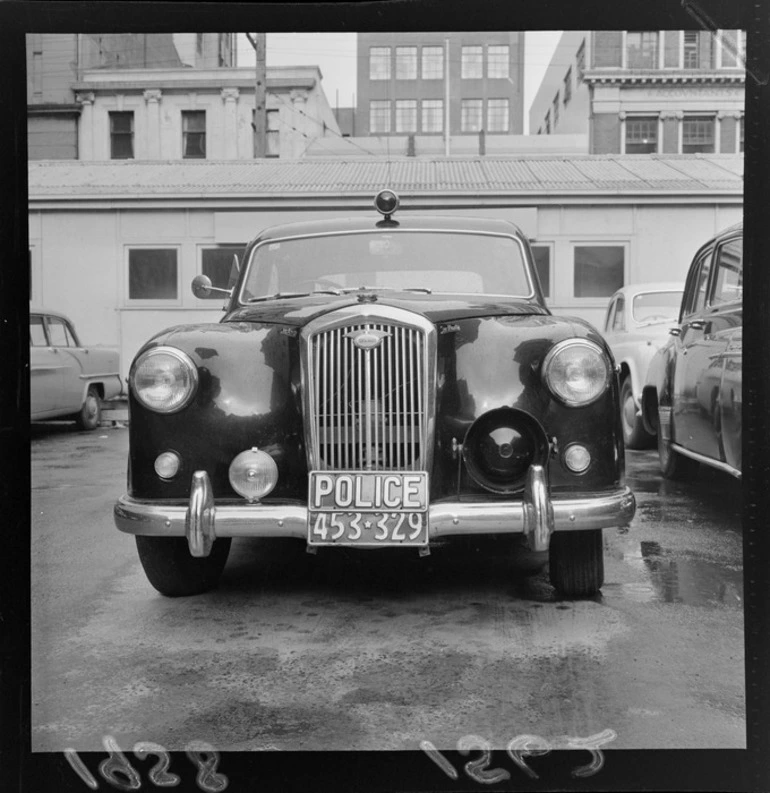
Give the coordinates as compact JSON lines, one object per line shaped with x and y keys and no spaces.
{"x":432,"y":261}
{"x":651,"y":307}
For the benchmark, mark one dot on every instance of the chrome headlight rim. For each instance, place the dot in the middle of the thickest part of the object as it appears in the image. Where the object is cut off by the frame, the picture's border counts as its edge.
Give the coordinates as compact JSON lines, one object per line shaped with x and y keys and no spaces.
{"x":556,"y":350}
{"x":184,"y":359}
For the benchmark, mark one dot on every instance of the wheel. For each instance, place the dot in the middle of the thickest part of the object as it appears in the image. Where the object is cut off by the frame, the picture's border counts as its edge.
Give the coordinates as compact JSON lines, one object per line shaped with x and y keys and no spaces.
{"x":635,"y":436}
{"x":576,"y":562}
{"x":672,"y":464}
{"x":91,"y":413}
{"x":174,"y":572}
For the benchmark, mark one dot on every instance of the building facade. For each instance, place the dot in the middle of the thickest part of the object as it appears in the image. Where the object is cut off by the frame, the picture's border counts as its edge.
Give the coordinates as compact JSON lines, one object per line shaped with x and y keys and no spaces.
{"x":163,"y":97}
{"x":427,"y":83}
{"x":115,"y":245}
{"x":646,"y":92}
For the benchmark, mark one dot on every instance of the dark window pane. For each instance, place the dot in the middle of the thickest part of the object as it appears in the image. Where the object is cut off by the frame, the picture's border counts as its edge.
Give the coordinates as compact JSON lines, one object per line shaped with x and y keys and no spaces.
{"x":598,"y":270}
{"x":542,"y":255}
{"x":122,"y":135}
{"x":217,"y":264}
{"x":698,"y":135}
{"x":194,"y":134}
{"x":152,"y":274}
{"x":642,"y":135}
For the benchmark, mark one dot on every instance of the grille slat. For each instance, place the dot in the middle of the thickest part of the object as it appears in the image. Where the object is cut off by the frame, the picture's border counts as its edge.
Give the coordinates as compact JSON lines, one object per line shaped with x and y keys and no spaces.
{"x":368,"y":404}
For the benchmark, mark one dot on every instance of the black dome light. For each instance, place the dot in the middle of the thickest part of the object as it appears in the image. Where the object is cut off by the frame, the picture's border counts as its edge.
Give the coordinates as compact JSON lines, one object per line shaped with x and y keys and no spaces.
{"x":500,"y":446}
{"x":386,"y":202}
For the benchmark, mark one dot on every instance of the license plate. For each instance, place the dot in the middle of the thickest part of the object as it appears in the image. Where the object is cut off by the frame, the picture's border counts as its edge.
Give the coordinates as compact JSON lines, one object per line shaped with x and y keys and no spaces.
{"x":368,"y":508}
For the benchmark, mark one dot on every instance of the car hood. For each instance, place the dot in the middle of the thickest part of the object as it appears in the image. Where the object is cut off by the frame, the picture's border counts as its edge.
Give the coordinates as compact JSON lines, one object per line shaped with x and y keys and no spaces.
{"x":297,"y":312}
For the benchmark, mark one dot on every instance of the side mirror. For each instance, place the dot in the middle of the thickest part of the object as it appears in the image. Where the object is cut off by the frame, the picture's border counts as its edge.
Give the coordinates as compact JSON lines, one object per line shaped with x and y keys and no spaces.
{"x":202,"y":288}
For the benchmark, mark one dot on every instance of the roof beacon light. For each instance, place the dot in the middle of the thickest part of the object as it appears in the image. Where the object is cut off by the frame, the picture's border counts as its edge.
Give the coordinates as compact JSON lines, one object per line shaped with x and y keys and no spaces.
{"x":386,"y":203}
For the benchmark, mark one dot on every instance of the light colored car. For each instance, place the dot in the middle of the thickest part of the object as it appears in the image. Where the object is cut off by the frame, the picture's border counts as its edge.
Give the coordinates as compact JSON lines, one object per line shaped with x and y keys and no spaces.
{"x":636,"y":327}
{"x":67,"y":379}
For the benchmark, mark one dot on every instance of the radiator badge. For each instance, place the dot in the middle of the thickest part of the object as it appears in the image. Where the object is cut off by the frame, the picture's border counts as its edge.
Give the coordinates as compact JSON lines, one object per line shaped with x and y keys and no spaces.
{"x":367,"y":339}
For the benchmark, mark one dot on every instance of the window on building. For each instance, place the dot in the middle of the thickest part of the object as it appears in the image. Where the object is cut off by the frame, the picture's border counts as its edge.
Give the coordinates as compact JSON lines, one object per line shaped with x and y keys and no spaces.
{"x":152,"y":274}
{"x":698,"y":134}
{"x":472,"y":62}
{"x":542,"y":256}
{"x":556,"y":110}
{"x":194,"y":134}
{"x":379,"y":115}
{"x":498,"y":60}
{"x":432,"y":63}
{"x":471,"y":115}
{"x":217,"y":264}
{"x":641,"y":49}
{"x":641,"y":135}
{"x":580,"y":61}
{"x":379,"y":63}
{"x":498,"y":115}
{"x":432,"y":115}
{"x":406,"y":63}
{"x":599,"y":270}
{"x":273,"y":133}
{"x":122,"y":135}
{"x":691,"y":58}
{"x":406,"y":115}
{"x":567,"y":86}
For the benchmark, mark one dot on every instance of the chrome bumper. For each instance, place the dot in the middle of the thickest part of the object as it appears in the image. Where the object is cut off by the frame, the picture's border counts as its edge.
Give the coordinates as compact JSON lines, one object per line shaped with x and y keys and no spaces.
{"x":535,"y":515}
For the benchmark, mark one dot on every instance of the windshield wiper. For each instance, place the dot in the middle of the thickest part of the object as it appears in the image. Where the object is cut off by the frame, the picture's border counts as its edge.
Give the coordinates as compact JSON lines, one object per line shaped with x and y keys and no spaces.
{"x":284,"y":295}
{"x":350,"y":289}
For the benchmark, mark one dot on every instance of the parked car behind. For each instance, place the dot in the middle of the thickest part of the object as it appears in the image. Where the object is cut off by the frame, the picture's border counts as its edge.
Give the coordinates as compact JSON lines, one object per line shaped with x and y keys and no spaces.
{"x":68,"y":379}
{"x":636,"y":327}
{"x":376,"y":382}
{"x":693,"y":395}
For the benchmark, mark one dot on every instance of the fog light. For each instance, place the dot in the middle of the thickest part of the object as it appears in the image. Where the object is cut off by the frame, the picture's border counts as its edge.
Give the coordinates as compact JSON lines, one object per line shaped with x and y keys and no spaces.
{"x":253,"y":474}
{"x":577,"y":458}
{"x":167,"y":465}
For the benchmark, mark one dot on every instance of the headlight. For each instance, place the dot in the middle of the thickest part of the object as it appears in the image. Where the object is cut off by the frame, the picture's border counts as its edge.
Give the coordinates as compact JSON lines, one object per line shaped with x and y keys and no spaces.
{"x":576,"y":371}
{"x":164,"y":379}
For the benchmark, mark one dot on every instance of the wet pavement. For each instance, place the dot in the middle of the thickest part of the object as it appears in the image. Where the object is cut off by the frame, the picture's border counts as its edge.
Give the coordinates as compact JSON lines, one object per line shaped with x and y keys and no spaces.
{"x":383,"y":650}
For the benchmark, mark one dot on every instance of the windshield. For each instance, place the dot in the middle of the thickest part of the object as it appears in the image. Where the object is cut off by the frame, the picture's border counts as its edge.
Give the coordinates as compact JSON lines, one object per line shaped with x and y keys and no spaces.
{"x":427,"y":261}
{"x":656,"y":306}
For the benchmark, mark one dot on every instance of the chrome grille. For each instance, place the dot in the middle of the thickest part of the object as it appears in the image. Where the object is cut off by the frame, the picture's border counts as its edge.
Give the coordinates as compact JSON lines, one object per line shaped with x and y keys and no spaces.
{"x":368,"y":407}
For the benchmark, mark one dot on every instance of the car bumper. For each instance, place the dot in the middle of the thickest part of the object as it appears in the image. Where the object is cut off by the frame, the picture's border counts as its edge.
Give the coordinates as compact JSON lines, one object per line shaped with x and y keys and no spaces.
{"x":535,"y":515}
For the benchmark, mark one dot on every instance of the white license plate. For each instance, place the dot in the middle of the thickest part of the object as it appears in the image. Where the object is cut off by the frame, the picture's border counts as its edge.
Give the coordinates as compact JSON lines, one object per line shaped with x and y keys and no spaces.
{"x":368,"y":508}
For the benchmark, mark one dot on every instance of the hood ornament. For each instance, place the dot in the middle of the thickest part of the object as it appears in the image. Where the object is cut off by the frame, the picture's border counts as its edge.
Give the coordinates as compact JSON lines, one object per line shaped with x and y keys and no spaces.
{"x":368,"y":338}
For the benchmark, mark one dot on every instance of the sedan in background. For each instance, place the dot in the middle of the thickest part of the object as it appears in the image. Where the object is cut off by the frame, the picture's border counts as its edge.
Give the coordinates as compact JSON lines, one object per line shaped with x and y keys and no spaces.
{"x":68,"y":379}
{"x":636,"y":327}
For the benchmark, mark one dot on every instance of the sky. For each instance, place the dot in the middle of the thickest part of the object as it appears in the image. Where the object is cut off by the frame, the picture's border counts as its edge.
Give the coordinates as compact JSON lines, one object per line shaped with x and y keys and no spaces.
{"x":335,"y":55}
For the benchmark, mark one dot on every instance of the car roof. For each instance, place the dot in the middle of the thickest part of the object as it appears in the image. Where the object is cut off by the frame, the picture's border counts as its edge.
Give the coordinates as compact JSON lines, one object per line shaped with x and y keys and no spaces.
{"x":48,"y":312}
{"x":404,"y":221}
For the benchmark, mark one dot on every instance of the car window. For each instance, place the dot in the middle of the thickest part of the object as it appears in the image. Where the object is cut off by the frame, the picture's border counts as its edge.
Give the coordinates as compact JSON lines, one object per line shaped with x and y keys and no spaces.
{"x":697,"y":283}
{"x":37,"y":336}
{"x":656,"y":306}
{"x":438,"y":261}
{"x":608,"y":320}
{"x":728,"y":280}
{"x":59,"y":333}
{"x":619,"y":320}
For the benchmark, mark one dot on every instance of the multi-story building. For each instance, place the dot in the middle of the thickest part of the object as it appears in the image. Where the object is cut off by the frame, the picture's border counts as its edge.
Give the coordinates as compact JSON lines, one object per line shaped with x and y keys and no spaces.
{"x":646,"y":92}
{"x":164,"y":97}
{"x":425,"y":83}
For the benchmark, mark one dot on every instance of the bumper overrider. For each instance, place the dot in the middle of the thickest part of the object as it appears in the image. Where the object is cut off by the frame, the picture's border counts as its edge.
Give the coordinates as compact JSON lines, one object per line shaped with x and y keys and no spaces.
{"x":536,"y":515}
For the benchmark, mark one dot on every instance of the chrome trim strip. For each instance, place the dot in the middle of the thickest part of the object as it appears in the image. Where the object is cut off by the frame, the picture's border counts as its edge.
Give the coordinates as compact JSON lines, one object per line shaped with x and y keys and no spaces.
{"x":444,"y":518}
{"x":710,"y":461}
{"x":99,"y":374}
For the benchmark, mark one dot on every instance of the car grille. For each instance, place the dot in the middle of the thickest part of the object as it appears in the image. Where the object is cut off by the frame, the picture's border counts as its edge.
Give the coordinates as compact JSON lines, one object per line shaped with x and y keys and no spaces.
{"x":368,"y":406}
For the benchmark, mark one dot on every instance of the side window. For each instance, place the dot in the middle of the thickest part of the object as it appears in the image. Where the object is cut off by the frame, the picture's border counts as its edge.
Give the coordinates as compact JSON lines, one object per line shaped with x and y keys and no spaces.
{"x":608,"y":318}
{"x":728,"y":282}
{"x":542,"y":257}
{"x":60,"y":337}
{"x":37,"y":337}
{"x":619,"y":320}
{"x":697,"y":282}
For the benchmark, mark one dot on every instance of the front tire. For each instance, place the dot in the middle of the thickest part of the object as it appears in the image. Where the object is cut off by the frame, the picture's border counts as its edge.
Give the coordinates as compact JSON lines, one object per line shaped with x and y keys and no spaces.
{"x":90,"y":415}
{"x":635,"y":436}
{"x":576,"y":562}
{"x":174,"y":572}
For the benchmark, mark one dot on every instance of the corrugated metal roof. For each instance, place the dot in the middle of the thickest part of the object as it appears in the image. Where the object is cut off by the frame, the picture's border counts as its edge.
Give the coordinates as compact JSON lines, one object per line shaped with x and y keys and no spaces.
{"x":620,"y":174}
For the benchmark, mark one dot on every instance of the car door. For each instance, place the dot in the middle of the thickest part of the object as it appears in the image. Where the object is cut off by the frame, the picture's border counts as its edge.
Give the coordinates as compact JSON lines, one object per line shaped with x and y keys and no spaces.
{"x":692,"y":424}
{"x":45,"y":370}
{"x":65,"y":347}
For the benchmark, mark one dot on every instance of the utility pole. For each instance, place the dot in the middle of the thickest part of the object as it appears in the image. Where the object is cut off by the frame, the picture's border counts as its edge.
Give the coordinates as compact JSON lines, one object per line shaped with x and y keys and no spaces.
{"x":259,"y":123}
